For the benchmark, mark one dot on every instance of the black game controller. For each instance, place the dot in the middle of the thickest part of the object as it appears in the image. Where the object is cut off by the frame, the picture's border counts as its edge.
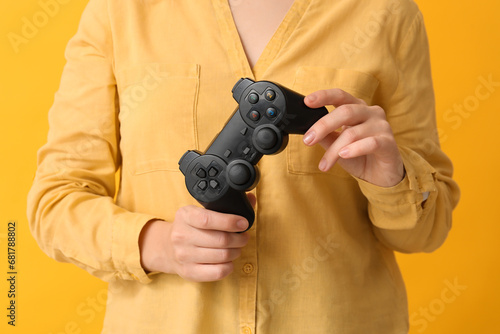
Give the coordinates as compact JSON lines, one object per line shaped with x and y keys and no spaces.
{"x":266,"y":115}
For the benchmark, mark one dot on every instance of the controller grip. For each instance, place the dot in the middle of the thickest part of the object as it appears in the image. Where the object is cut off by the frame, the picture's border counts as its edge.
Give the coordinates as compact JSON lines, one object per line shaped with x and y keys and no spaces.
{"x":233,"y":202}
{"x":299,"y":117}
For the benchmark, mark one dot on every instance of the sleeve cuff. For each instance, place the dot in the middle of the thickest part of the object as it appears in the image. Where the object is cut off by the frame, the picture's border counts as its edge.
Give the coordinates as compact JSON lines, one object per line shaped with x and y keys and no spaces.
{"x":125,"y":247}
{"x":400,"y":207}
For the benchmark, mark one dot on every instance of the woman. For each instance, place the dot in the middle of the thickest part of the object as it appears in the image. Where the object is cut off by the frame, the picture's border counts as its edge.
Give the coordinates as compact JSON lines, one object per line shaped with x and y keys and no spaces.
{"x":147,"y":80}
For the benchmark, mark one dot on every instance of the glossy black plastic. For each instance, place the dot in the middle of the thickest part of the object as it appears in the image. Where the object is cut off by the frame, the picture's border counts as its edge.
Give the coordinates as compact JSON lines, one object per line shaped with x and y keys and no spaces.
{"x":267,"y":113}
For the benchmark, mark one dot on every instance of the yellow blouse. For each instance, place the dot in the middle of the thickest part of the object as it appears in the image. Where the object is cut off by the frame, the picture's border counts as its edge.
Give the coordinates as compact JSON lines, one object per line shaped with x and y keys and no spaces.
{"x":147,"y":80}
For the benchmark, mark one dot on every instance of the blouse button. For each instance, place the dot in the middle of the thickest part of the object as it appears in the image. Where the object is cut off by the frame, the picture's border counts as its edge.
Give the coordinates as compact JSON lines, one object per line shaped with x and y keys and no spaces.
{"x":246,"y":330}
{"x":248,"y":269}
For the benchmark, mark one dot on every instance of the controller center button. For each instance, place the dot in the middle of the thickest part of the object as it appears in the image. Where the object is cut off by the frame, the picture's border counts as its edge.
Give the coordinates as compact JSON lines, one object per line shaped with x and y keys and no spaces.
{"x":253,"y":98}
{"x":214,"y":184}
{"x":202,"y":185}
{"x":254,"y":115}
{"x":270,"y":95}
{"x":271,"y":112}
{"x":266,"y":138}
{"x":239,"y":174}
{"x":246,"y":150}
{"x":212,"y":172}
{"x":201,"y":173}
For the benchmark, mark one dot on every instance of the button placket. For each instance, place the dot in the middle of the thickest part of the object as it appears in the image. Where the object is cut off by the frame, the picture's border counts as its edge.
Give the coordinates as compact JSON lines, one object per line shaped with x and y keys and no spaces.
{"x":248,"y":283}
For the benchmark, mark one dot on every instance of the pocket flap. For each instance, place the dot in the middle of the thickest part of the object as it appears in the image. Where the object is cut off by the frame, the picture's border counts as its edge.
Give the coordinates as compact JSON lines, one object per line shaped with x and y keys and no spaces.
{"x":312,"y":78}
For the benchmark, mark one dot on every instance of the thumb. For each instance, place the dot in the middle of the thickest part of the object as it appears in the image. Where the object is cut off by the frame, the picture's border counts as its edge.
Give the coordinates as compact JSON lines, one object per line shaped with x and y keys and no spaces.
{"x":252,"y":199}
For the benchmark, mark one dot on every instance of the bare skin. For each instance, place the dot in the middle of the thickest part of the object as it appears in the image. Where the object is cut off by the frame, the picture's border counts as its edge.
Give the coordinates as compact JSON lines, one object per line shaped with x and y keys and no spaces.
{"x":255,"y":25}
{"x":200,"y":245}
{"x":365,"y":147}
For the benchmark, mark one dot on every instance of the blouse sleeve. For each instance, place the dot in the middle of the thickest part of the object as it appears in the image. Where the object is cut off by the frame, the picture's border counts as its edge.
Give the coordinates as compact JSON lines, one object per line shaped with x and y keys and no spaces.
{"x":414,"y":215}
{"x":71,"y":210}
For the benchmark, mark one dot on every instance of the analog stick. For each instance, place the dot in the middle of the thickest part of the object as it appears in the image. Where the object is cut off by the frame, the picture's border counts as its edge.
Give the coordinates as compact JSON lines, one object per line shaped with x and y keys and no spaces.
{"x":266,"y":138}
{"x":239,"y":174}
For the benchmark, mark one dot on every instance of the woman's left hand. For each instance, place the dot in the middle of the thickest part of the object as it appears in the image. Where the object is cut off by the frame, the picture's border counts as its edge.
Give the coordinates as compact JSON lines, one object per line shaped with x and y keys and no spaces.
{"x":357,"y":136}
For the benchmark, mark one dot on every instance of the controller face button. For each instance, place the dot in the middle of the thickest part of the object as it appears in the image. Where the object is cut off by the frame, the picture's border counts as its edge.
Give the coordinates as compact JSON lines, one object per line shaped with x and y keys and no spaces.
{"x":270,"y":95}
{"x":201,"y":173}
{"x":253,"y":98}
{"x":214,"y":184}
{"x":271,"y":112}
{"x":266,"y":138}
{"x":212,"y":172}
{"x":254,"y":115}
{"x":202,"y":185}
{"x":239,"y":174}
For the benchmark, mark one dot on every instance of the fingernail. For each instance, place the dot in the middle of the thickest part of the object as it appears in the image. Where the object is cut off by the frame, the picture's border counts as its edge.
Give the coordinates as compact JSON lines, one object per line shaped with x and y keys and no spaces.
{"x":309,"y":137}
{"x":344,"y":153}
{"x":322,"y":164}
{"x":311,"y":98}
{"x":242,"y":224}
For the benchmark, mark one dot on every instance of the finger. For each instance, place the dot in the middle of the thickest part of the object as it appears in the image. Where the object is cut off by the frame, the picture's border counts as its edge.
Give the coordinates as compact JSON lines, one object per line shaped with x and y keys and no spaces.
{"x":252,"y":199}
{"x":211,"y":220}
{"x":347,"y":137}
{"x":329,"y":140}
{"x":206,"y":272}
{"x":377,"y":127}
{"x":365,"y":146}
{"x":214,"y":256}
{"x":335,"y":97}
{"x":218,"y":239}
{"x":345,"y":115}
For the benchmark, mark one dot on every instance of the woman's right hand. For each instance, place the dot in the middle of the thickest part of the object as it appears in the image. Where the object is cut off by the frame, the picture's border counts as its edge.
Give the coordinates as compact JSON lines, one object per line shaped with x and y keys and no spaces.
{"x":199,"y":245}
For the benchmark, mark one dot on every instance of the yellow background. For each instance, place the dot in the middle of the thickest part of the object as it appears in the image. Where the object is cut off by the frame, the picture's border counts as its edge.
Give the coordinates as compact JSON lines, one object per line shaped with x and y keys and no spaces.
{"x":465,"y":46}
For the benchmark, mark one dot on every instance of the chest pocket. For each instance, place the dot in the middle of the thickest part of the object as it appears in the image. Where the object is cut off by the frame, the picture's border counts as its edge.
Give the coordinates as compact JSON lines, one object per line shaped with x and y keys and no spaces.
{"x":302,"y":159}
{"x":157,"y":115}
